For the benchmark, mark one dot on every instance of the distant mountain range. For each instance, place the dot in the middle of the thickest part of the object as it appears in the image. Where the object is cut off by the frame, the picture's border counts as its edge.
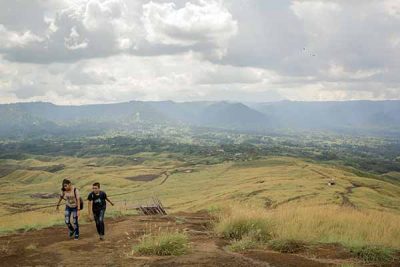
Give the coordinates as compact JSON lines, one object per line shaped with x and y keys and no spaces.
{"x":358,"y":117}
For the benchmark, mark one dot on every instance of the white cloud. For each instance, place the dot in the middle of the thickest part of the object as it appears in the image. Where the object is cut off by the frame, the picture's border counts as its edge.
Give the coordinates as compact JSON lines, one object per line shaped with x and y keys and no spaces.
{"x":100,"y":28}
{"x":10,"y":39}
{"x":73,"y":41}
{"x":207,"y":22}
{"x":392,"y":7}
{"x":91,"y":51}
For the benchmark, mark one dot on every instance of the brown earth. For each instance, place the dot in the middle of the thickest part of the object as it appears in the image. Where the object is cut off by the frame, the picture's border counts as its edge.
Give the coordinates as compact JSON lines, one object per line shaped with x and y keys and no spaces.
{"x":143,"y":177}
{"x":52,"y":247}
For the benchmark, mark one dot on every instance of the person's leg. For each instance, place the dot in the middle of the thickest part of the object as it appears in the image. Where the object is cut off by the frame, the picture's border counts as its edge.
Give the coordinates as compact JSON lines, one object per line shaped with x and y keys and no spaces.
{"x":101,"y":222}
{"x":76,"y":223}
{"x":67,"y":215}
{"x":96,"y":216}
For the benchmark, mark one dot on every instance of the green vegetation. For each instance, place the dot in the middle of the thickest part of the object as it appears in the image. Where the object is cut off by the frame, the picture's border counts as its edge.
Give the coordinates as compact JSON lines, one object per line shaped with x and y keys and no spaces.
{"x":372,"y":254}
{"x":264,"y":191}
{"x":245,"y":243}
{"x":269,"y":182}
{"x":163,"y":244}
{"x":365,"y":156}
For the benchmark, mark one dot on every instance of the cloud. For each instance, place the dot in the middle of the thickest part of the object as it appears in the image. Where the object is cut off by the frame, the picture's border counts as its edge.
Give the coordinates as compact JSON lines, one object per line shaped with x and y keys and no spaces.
{"x":207,"y":22}
{"x":101,"y":28}
{"x":221,"y":74}
{"x":10,"y":39}
{"x":92,"y":51}
{"x":87,"y":29}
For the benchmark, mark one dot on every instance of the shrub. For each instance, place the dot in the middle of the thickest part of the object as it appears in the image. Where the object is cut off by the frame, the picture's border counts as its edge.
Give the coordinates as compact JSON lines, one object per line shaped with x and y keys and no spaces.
{"x":163,"y":244}
{"x":373,"y":253}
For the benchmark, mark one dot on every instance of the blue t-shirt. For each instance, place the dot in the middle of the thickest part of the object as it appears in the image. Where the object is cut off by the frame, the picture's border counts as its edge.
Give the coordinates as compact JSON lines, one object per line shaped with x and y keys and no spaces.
{"x":99,"y":201}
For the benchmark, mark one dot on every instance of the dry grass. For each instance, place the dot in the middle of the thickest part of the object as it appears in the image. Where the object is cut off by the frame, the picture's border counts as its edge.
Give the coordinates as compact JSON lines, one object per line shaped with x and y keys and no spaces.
{"x":326,"y":224}
{"x":239,"y":223}
{"x":30,"y":221}
{"x":31,"y":247}
{"x":5,"y":248}
{"x":270,"y":182}
{"x":163,"y":244}
{"x":331,"y":224}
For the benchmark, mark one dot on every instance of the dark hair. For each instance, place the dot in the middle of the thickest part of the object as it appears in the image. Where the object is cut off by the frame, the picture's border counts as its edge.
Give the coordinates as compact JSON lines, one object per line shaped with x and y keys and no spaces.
{"x":65,"y":181}
{"x":97,"y":184}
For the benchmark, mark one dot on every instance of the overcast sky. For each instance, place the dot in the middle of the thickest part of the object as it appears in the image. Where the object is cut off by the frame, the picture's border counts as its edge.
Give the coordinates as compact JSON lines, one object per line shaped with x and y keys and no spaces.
{"x":103,"y":51}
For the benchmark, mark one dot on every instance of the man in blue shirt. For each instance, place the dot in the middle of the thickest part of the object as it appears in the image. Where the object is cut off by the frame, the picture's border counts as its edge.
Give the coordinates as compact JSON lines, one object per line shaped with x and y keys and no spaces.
{"x":97,"y":204}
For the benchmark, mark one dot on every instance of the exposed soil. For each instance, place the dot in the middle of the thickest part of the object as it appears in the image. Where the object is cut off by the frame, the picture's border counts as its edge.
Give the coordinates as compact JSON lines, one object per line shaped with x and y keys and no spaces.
{"x":51,"y":169}
{"x":166,"y":174}
{"x":45,"y":195}
{"x":143,"y":177}
{"x":52,"y":247}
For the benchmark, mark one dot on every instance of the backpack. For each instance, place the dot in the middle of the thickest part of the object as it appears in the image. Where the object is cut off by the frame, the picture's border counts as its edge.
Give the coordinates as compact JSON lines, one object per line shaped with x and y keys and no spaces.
{"x":80,"y":200}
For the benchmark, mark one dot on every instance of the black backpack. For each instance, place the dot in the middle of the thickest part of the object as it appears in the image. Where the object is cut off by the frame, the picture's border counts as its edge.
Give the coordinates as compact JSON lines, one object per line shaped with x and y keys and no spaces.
{"x":80,"y":200}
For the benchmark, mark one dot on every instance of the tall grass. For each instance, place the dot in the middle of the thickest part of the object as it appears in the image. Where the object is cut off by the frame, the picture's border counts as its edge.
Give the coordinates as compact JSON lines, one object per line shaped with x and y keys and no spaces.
{"x":163,"y":244}
{"x":374,"y":253}
{"x":28,"y":221}
{"x":335,"y":224}
{"x":326,"y":224}
{"x":239,"y":222}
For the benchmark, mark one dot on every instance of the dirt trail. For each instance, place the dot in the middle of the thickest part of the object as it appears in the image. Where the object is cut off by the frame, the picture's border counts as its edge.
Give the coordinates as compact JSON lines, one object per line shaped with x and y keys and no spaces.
{"x":51,"y":247}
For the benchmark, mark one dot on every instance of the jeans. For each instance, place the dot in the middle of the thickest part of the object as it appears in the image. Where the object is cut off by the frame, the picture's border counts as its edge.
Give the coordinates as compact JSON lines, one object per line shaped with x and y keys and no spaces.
{"x":74,"y":212}
{"x":99,"y":219}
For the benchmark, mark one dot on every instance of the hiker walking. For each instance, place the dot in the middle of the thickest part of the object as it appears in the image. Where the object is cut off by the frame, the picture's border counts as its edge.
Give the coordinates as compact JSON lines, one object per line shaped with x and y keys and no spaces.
{"x":73,"y":205}
{"x":97,"y":204}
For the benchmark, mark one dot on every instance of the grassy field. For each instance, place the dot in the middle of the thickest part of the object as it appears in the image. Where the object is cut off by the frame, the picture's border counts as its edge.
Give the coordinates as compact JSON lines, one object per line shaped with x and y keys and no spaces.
{"x":292,"y":193}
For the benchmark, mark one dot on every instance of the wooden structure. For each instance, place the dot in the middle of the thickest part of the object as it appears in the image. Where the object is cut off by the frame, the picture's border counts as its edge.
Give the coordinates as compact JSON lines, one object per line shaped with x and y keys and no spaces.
{"x":154,"y":208}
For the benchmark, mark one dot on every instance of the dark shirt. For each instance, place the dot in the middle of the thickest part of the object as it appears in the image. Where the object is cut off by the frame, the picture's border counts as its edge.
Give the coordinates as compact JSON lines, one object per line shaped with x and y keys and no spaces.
{"x":98,"y":201}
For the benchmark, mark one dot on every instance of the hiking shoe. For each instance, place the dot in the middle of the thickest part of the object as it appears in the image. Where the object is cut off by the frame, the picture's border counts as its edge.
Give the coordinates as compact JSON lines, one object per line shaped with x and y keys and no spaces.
{"x":71,"y":234}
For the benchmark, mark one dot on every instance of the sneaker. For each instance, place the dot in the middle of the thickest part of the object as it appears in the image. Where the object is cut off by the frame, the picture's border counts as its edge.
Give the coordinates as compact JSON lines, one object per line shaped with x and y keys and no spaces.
{"x":76,"y":238}
{"x":102,"y":237}
{"x":71,"y":233}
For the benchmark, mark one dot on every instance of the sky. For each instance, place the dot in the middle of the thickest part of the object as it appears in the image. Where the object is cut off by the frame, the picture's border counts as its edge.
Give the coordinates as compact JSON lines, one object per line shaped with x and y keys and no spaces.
{"x":107,"y":51}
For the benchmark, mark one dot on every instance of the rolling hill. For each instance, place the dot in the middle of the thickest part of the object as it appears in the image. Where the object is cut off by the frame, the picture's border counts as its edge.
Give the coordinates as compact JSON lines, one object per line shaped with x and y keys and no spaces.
{"x":352,"y":117}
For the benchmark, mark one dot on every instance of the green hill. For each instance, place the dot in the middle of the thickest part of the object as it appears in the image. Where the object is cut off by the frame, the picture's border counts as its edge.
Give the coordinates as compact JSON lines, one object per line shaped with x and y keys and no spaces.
{"x":269,"y":183}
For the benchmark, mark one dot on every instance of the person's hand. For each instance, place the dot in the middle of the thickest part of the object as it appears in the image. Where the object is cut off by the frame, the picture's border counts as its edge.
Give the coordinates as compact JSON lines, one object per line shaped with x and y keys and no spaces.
{"x":112,"y":204}
{"x":78,"y":213}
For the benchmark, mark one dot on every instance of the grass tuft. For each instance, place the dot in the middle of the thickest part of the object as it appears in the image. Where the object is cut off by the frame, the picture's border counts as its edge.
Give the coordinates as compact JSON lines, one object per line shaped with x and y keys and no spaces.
{"x":163,"y":244}
{"x":241,"y":222}
{"x":371,"y":254}
{"x":247,"y":242}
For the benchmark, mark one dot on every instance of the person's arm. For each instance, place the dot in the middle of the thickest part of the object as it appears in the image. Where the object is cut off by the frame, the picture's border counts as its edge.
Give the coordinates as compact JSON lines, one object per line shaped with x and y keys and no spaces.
{"x":112,"y":204}
{"x":78,"y":202}
{"x":59,"y":200}
{"x":90,"y":207}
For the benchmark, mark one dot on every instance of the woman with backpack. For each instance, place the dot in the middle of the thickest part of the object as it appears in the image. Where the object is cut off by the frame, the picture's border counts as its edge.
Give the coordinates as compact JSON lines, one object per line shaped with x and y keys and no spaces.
{"x":73,"y":204}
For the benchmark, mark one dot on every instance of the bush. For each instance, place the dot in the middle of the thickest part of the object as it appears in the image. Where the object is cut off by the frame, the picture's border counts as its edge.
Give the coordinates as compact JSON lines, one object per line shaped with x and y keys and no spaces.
{"x":373,"y":253}
{"x":163,"y":244}
{"x":247,"y":242}
{"x":247,"y":228}
{"x":238,"y":227}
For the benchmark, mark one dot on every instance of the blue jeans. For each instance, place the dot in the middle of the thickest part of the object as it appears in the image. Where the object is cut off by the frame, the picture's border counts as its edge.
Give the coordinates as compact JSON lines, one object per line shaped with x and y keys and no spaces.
{"x":74,"y":212}
{"x":99,"y":219}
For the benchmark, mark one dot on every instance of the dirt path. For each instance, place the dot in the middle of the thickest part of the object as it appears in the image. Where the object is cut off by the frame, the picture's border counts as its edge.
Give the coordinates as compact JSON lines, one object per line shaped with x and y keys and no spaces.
{"x":51,"y":247}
